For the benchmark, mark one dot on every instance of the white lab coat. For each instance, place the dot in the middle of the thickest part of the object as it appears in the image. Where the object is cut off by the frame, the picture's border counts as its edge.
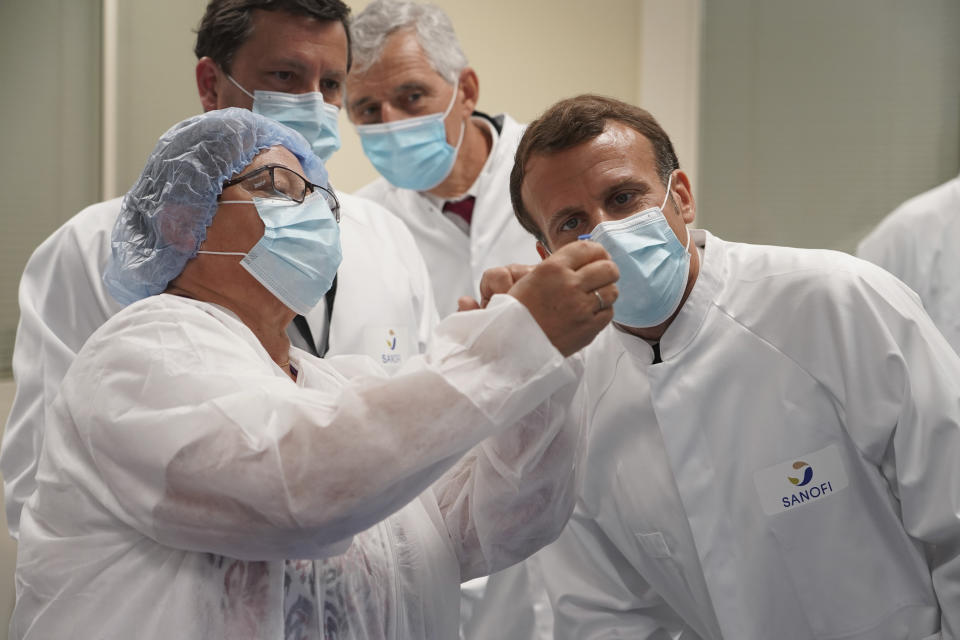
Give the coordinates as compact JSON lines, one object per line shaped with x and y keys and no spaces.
{"x":383,"y":287}
{"x":920,"y":244}
{"x":779,"y":356}
{"x":182,"y":466}
{"x":457,"y":260}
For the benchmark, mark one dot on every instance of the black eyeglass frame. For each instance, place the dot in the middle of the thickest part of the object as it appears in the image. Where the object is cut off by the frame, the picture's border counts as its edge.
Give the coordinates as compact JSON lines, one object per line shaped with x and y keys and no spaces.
{"x":308,"y":186}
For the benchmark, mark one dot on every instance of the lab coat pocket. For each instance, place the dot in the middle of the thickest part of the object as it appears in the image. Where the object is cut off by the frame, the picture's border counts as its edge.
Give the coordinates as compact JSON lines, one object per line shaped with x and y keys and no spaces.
{"x":855,"y":573}
{"x":658,"y":564}
{"x":654,"y":544}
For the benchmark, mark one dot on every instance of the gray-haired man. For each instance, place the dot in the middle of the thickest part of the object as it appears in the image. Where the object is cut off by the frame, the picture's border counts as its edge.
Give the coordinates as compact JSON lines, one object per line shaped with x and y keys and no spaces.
{"x":445,"y":166}
{"x":445,"y":172}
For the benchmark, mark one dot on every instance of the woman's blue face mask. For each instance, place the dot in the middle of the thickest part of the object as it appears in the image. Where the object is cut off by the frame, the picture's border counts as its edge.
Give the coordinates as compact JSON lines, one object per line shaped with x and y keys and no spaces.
{"x":299,"y":253}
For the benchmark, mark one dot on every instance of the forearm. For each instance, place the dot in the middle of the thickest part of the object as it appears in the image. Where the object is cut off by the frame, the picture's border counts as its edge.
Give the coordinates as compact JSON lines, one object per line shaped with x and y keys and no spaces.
{"x":250,"y":465}
{"x":513,"y":493}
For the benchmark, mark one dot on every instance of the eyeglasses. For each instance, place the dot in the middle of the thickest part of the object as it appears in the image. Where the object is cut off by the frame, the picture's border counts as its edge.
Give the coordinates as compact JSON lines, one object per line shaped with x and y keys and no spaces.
{"x":278,"y":181}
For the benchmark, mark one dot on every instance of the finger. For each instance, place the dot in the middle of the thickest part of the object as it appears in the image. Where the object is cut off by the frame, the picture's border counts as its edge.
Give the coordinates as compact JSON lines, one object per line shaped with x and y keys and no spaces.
{"x":466,"y":303}
{"x":598,"y":274}
{"x":494,"y":281}
{"x":577,"y":254}
{"x":500,"y":279}
{"x":518,"y":271}
{"x":605,"y":296}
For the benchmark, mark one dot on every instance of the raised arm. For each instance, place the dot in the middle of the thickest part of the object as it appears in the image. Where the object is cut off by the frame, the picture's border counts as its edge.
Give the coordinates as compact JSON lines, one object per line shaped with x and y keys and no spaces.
{"x":513,"y":494}
{"x":201,"y":445}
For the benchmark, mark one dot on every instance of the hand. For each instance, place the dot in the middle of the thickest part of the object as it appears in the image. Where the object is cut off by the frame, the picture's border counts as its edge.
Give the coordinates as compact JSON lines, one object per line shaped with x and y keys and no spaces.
{"x":494,"y":281}
{"x":570,"y":294}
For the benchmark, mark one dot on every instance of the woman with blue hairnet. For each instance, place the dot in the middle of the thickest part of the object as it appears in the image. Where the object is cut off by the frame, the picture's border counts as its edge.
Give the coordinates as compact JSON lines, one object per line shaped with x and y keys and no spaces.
{"x":200,"y":478}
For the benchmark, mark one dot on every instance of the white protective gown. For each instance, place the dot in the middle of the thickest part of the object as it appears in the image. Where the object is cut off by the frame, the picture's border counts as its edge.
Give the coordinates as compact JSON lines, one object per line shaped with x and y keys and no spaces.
{"x":783,"y":363}
{"x":383,"y":287}
{"x":455,"y":258}
{"x":920,"y":244}
{"x":182,"y":467}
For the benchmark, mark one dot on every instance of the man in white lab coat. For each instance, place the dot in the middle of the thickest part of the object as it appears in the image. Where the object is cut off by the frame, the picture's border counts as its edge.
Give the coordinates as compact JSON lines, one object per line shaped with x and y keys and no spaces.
{"x":445,"y":167}
{"x":918,"y":244}
{"x":292,"y":58}
{"x":774,"y":433}
{"x":445,"y":171}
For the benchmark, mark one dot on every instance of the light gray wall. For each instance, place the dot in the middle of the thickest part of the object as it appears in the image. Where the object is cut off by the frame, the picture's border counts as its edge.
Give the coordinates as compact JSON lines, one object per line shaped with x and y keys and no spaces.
{"x":50,"y":130}
{"x":819,"y":117}
{"x":155,"y":77}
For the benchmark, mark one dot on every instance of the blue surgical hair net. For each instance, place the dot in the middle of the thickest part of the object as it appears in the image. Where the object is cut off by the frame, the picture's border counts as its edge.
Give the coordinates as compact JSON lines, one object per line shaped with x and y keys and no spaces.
{"x":165,"y":215}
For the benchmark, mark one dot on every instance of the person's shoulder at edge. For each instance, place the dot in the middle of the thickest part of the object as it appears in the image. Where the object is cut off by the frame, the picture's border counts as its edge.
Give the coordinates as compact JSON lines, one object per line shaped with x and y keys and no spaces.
{"x":911,"y":218}
{"x":92,"y":222}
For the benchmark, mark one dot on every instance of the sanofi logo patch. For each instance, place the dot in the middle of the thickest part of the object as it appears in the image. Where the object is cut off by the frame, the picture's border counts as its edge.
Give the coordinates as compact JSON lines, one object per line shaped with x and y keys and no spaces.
{"x":389,"y":346}
{"x":793,"y":484}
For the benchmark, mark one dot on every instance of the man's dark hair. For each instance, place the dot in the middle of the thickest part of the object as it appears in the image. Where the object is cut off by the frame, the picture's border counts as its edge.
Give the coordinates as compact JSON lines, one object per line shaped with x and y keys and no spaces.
{"x":574,"y":121}
{"x":227,"y":24}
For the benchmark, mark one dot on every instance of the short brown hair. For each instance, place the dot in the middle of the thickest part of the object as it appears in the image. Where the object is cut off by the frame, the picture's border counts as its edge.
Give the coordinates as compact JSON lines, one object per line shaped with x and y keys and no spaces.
{"x":574,"y":121}
{"x":226,"y":24}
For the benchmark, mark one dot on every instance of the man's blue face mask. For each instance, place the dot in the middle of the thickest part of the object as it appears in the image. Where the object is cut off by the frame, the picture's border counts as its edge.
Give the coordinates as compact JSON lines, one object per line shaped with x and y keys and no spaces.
{"x":412,"y":153}
{"x":654,"y":266}
{"x":305,"y":113}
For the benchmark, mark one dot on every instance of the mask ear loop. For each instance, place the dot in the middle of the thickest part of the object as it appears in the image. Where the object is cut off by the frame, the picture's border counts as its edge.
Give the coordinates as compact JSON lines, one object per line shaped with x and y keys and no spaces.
{"x":667,"y":196}
{"x":463,"y":124}
{"x":227,"y":253}
{"x":222,"y":253}
{"x":686,"y":247}
{"x":237,"y":85}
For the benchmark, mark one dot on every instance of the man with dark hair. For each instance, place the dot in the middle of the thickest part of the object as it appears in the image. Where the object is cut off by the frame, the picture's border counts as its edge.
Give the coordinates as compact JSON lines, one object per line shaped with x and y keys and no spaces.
{"x":774,"y":433}
{"x":286,"y":59}
{"x":228,"y":24}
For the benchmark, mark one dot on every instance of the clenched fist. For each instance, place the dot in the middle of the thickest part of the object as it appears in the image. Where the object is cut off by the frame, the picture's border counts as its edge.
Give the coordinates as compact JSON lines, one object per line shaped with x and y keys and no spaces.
{"x":570,"y":294}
